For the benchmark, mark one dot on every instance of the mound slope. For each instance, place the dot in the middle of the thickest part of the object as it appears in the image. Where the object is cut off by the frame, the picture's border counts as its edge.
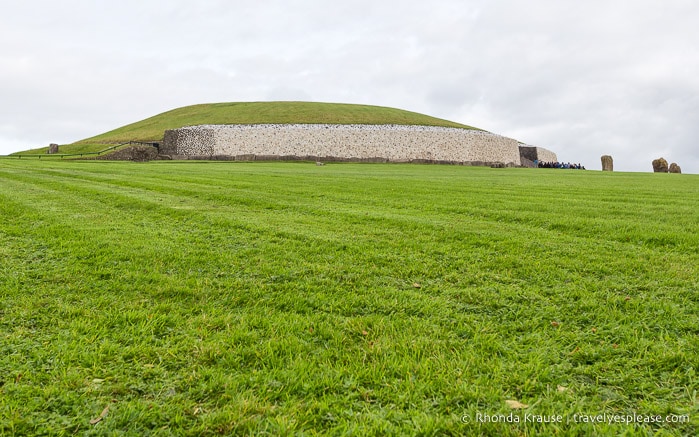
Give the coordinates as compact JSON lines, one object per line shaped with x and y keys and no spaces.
{"x":302,"y":130}
{"x":153,"y":128}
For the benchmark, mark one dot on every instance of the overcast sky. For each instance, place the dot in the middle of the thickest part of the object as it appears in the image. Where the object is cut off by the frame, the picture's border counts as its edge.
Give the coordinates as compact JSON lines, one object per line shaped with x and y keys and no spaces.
{"x":582,"y":78}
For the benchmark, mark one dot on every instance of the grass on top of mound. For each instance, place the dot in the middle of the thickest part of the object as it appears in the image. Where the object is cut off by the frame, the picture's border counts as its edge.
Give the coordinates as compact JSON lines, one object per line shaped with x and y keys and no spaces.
{"x":152,"y":129}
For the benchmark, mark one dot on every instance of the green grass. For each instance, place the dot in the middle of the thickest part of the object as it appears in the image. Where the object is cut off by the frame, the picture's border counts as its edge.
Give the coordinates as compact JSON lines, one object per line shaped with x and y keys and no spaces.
{"x":76,"y":150}
{"x":291,"y":299}
{"x":151,"y":129}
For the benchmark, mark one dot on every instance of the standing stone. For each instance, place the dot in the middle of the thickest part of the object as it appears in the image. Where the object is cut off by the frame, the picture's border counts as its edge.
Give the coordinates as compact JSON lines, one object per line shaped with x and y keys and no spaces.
{"x":674,"y":168}
{"x":53,"y":148}
{"x":660,"y":165}
{"x":607,"y":163}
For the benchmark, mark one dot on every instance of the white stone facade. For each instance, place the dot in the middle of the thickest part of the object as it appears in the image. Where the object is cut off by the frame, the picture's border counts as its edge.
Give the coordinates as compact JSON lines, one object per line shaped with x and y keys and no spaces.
{"x":546,"y":155}
{"x":394,"y":143}
{"x":530,"y":155}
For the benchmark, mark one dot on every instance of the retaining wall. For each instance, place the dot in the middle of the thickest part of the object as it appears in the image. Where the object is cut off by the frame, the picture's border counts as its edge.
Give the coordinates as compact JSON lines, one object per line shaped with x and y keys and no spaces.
{"x":546,"y":155}
{"x":393,"y":143}
{"x":530,"y":154}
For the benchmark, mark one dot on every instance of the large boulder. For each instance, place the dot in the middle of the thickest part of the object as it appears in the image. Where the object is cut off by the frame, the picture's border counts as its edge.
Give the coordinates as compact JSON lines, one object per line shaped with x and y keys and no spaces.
{"x":607,"y":163}
{"x":660,"y":165}
{"x":674,"y":168}
{"x":53,"y":148}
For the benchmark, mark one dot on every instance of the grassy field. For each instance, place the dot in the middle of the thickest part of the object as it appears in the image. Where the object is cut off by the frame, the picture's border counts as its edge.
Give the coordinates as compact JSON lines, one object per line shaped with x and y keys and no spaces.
{"x":152,"y":129}
{"x":181,"y":298}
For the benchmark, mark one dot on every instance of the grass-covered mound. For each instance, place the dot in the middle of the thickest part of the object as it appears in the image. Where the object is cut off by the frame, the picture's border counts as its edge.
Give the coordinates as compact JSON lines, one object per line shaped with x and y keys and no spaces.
{"x":293,"y":299}
{"x":152,"y":129}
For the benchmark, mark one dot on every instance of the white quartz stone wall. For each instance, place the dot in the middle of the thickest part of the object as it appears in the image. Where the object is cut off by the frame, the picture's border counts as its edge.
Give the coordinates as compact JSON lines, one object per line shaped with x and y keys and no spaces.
{"x":546,"y":155}
{"x":390,"y":142}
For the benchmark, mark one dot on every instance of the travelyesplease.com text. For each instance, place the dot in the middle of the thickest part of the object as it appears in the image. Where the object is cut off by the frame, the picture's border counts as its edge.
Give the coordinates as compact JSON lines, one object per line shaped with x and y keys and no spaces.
{"x":607,"y":418}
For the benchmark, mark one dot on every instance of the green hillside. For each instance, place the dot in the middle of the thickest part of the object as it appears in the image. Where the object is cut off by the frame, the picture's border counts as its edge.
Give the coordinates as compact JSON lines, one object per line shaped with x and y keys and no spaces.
{"x":151,"y":129}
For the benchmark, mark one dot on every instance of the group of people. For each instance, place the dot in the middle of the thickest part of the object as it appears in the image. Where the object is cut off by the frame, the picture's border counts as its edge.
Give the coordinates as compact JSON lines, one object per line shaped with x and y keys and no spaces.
{"x":543,"y":164}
